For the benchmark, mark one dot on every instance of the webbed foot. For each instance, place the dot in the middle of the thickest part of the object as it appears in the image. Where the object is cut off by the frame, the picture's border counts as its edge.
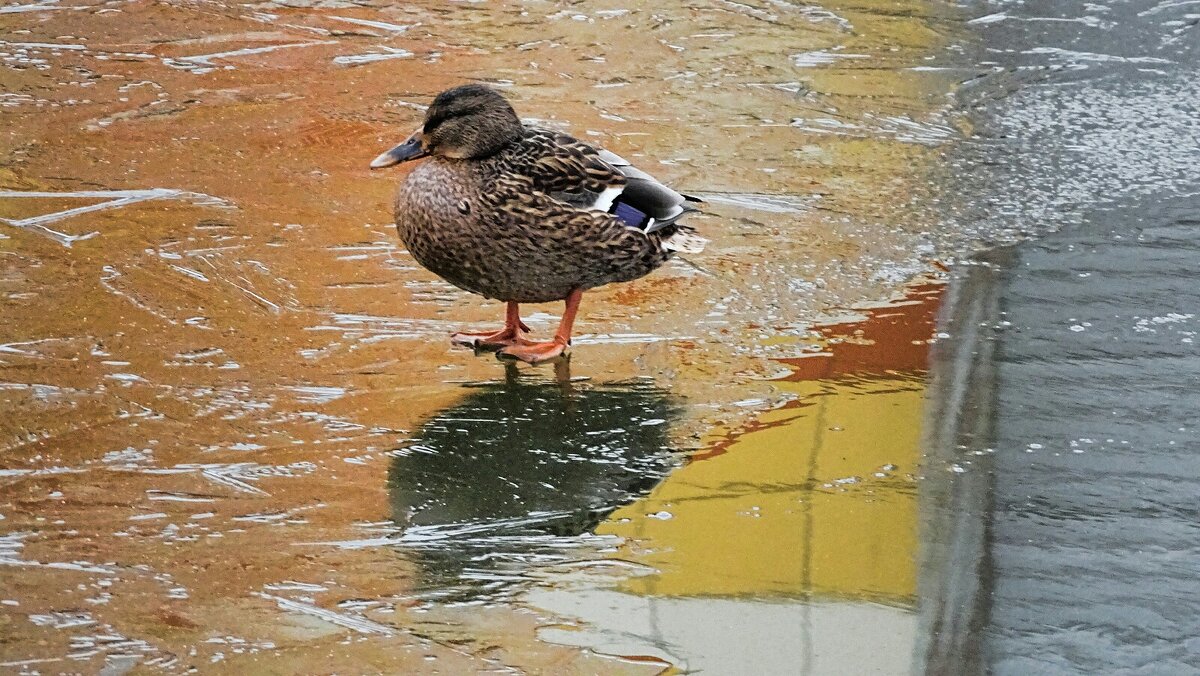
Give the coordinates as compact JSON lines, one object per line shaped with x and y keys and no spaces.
{"x":513,"y":333}
{"x":532,"y":352}
{"x":485,"y":340}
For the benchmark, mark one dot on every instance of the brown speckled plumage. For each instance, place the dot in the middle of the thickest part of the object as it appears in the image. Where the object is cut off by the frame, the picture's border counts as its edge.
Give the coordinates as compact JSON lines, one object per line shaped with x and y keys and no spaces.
{"x":511,"y":213}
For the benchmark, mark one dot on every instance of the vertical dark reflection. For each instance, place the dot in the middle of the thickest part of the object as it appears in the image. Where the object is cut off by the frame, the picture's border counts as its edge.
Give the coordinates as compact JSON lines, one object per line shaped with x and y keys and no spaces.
{"x":955,"y":584}
{"x":505,"y":478}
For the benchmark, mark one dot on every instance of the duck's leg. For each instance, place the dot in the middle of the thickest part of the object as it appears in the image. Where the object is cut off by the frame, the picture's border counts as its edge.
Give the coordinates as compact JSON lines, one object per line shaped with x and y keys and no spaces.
{"x":513,"y":332}
{"x":535,"y":353}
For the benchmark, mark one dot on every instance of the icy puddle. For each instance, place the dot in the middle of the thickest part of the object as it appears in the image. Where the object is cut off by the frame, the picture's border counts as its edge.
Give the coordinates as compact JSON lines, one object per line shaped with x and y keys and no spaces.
{"x":233,"y":433}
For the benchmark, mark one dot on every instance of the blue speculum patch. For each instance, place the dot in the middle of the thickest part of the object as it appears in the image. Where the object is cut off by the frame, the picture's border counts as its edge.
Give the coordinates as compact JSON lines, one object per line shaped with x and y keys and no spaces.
{"x":631,"y":215}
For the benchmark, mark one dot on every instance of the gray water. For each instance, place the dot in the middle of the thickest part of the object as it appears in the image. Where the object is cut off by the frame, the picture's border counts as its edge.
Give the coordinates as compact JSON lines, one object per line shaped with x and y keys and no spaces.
{"x":1076,"y":107}
{"x":1082,"y":536}
{"x":1097,"y":468}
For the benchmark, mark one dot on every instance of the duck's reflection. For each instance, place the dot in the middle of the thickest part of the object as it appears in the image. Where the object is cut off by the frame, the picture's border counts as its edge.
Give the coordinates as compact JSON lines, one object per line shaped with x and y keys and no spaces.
{"x":510,"y":475}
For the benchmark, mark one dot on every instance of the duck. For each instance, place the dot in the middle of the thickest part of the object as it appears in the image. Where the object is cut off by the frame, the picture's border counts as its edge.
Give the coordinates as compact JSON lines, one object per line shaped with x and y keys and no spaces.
{"x":521,"y":214}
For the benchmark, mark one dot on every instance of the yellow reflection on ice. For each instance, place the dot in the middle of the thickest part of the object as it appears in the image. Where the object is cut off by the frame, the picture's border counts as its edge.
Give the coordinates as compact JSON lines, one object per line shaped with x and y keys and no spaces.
{"x":817,"y":498}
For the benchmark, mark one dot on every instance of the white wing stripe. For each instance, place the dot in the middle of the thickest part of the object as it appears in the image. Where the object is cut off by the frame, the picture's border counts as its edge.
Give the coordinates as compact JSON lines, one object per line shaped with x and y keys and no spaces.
{"x":605,"y":201}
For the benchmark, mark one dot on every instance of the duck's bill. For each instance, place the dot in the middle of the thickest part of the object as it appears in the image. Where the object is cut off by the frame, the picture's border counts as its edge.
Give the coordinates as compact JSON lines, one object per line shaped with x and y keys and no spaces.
{"x":409,"y":150}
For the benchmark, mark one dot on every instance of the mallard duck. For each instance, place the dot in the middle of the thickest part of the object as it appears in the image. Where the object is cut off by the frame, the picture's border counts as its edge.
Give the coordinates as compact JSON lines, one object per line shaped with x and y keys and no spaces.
{"x":527,"y":215}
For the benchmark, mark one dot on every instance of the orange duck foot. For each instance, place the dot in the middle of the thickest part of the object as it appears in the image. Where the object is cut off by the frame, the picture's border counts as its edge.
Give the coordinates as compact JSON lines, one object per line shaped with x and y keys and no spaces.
{"x":534,"y":353}
{"x":490,"y":341}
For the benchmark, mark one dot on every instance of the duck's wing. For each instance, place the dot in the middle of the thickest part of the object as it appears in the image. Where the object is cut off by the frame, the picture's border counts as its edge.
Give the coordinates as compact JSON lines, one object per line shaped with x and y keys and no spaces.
{"x":595,"y":179}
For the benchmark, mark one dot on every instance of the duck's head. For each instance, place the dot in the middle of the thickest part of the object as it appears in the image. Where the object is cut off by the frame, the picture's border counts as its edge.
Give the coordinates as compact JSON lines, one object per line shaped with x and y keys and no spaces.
{"x":467,"y":122}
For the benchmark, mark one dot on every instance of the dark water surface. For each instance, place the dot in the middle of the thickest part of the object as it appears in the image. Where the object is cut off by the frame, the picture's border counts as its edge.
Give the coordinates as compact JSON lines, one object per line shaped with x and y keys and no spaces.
{"x":1094,"y":531}
{"x":1077,"y":383}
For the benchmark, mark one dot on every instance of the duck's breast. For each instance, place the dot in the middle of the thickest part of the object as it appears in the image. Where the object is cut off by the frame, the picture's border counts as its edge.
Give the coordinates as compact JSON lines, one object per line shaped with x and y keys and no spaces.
{"x":439,"y":219}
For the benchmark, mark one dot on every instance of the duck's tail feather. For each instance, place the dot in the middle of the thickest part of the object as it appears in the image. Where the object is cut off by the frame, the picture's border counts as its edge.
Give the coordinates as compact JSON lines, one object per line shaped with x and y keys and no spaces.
{"x":685,"y":240}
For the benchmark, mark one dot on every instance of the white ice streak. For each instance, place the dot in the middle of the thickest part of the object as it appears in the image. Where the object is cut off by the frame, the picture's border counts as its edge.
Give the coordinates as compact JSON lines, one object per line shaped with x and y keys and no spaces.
{"x":989,"y":18}
{"x":395,"y":28}
{"x":494,"y":531}
{"x":1071,"y":55}
{"x":357,"y":59}
{"x":358,"y":624}
{"x":316,"y":394}
{"x":775,"y":204}
{"x":1169,"y":4}
{"x":623,"y":338}
{"x":377,"y":328}
{"x":237,"y":475}
{"x":11,"y":545}
{"x":203,"y":63}
{"x":813,"y":13}
{"x":61,"y":619}
{"x":44,"y":45}
{"x":822,"y":58}
{"x":116,"y":199}
{"x":46,"y":6}
{"x":898,"y":127}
